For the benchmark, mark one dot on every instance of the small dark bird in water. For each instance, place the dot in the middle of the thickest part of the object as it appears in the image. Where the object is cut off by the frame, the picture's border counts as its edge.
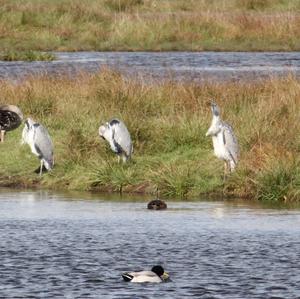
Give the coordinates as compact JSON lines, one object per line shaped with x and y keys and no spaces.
{"x":10,"y":118}
{"x":157,"y":275}
{"x":157,"y":204}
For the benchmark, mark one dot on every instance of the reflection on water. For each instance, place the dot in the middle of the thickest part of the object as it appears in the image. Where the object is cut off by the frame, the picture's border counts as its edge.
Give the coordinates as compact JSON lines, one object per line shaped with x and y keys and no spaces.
{"x":76,"y":246}
{"x":186,"y":66}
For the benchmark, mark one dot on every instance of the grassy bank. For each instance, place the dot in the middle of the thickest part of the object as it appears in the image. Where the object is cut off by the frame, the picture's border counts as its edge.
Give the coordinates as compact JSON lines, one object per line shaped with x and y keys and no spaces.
{"x":138,"y":25}
{"x":26,"y":56}
{"x":168,"y":122}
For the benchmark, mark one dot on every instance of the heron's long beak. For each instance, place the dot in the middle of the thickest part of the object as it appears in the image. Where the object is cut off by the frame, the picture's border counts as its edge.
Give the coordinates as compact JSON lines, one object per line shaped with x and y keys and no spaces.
{"x":165,"y":276}
{"x":208,"y":133}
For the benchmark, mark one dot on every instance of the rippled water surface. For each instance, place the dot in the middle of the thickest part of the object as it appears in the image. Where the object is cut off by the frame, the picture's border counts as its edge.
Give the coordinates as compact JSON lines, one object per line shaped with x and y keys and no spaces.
{"x":58,"y":246}
{"x":187,"y":66}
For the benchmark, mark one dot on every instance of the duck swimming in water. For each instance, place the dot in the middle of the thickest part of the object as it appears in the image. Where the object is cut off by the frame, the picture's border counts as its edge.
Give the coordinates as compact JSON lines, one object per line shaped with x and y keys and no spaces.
{"x":157,"y":275}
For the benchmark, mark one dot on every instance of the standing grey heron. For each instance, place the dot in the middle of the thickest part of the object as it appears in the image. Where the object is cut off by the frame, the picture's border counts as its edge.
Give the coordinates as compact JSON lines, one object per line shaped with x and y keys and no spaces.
{"x":118,"y":137}
{"x":225,"y":142}
{"x":37,"y":137}
{"x":10,"y":118}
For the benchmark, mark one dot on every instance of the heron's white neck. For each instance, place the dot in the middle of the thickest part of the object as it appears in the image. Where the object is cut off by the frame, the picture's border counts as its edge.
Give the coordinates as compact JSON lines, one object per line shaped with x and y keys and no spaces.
{"x":216,"y":120}
{"x":215,"y":126}
{"x":108,"y":135}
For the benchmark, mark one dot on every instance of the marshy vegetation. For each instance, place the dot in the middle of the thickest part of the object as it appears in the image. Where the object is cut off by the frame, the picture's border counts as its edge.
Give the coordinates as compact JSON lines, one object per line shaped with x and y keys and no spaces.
{"x":236,"y":25}
{"x":26,"y":56}
{"x":167,"y":122}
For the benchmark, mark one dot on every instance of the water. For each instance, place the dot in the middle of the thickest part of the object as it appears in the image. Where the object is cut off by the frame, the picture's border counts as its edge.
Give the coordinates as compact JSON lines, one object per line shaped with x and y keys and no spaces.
{"x":65,"y":246}
{"x":148,"y":66}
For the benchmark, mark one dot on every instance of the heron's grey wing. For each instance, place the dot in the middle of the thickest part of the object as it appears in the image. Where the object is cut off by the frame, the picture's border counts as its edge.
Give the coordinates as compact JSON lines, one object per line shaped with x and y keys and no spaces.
{"x":122,"y":137}
{"x":230,"y":141}
{"x":43,"y":143}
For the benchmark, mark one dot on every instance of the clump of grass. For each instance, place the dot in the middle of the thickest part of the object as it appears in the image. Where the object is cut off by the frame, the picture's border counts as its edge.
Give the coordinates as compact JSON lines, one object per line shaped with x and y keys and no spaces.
{"x":279,"y":182}
{"x":115,"y":177}
{"x":167,"y":122}
{"x":26,"y":56}
{"x":257,"y":4}
{"x":122,"y":5}
{"x":173,"y":181}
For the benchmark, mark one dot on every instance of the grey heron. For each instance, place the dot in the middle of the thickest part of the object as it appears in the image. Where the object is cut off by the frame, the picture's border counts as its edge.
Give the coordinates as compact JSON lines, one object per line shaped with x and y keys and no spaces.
{"x":118,"y":137}
{"x":224,"y":140}
{"x":37,"y":137}
{"x":157,"y":275}
{"x":10,"y":118}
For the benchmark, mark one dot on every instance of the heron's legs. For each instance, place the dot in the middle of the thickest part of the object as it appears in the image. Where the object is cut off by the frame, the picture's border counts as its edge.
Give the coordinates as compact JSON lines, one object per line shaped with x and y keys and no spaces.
{"x":225,"y":171}
{"x":41,"y":168}
{"x":2,"y":132}
{"x":119,"y":159}
{"x":124,"y":158}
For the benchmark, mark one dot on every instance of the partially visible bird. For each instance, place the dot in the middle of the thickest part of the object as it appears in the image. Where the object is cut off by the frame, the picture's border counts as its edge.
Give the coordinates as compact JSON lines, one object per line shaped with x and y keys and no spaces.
{"x":157,"y":274}
{"x":224,"y":140}
{"x":10,"y":118}
{"x":157,"y":204}
{"x":37,"y":137}
{"x":118,"y":137}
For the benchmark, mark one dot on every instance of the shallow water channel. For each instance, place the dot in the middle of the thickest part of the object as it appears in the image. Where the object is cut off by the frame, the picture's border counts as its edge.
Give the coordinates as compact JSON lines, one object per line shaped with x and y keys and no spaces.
{"x":148,"y":66}
{"x":77,"y":246}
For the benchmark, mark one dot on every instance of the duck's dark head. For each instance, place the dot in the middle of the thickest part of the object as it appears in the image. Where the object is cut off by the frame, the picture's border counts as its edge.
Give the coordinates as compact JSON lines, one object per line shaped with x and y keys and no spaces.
{"x":159,"y":271}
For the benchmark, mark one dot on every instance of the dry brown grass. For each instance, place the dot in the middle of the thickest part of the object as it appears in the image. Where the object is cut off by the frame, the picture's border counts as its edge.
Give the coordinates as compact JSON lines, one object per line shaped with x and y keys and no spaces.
{"x":150,"y":25}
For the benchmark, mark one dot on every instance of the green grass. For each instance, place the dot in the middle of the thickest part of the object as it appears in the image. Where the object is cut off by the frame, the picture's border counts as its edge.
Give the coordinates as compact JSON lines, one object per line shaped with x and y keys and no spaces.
{"x":195,"y":25}
{"x":26,"y":56}
{"x":167,"y":122}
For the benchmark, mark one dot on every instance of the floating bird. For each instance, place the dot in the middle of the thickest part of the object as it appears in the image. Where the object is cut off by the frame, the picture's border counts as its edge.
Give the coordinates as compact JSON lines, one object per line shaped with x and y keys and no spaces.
{"x":10,"y":118}
{"x":225,"y":143}
{"x":157,"y":204}
{"x":118,"y":137}
{"x":157,"y":274}
{"x":37,"y":137}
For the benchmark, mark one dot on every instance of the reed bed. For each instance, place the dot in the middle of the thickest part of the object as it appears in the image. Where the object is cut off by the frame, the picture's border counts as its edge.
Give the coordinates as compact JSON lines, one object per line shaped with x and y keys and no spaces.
{"x":167,"y":122}
{"x":139,"y":25}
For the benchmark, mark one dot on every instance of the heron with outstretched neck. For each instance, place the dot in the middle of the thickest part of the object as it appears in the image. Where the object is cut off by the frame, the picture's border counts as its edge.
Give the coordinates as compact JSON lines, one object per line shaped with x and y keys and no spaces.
{"x":224,"y":140}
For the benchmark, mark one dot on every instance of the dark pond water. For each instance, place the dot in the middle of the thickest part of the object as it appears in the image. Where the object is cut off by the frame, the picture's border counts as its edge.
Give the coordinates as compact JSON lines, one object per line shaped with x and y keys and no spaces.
{"x":77,"y":246}
{"x":148,"y":66}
